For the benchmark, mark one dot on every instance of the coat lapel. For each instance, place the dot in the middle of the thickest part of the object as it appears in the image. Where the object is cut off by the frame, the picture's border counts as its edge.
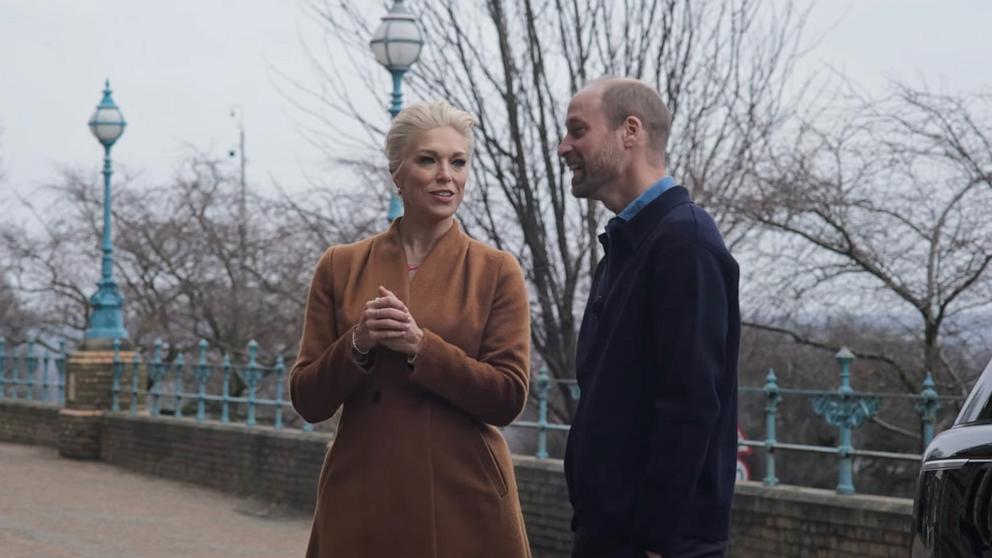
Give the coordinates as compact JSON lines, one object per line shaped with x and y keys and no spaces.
{"x":437,"y":274}
{"x":388,"y":265}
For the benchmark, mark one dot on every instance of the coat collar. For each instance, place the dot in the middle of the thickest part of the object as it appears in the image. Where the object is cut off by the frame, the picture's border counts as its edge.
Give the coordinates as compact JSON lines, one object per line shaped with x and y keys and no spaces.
{"x":633,"y":232}
{"x":389,"y":256}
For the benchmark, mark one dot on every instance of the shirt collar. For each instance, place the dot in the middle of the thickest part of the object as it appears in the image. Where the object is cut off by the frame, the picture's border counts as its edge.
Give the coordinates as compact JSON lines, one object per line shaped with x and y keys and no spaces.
{"x":631,"y":233}
{"x":646,"y":197}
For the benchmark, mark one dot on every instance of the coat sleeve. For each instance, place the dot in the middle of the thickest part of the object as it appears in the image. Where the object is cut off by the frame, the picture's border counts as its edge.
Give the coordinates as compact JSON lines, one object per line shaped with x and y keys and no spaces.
{"x":492,"y":388}
{"x":689,"y":359}
{"x":325,"y":374}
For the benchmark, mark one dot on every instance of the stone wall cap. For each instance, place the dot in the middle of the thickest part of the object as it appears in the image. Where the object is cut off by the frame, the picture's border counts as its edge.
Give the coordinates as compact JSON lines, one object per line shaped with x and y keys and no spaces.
{"x":803,"y":494}
{"x":30,"y":403}
{"x":534,"y":463}
{"x":216,"y":425}
{"x":94,"y":356}
{"x":81,"y":412}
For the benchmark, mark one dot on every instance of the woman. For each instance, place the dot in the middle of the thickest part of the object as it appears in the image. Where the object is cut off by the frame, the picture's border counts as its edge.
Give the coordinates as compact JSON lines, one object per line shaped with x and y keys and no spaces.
{"x":422,"y":334}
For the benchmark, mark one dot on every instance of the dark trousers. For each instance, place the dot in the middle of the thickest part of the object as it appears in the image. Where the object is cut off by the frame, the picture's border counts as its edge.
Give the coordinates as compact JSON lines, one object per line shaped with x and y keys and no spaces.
{"x":589,"y":545}
{"x":594,"y":545}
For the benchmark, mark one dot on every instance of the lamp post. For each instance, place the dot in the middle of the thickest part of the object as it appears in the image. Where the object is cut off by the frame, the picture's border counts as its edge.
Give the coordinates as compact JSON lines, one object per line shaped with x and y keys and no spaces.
{"x":396,"y":45}
{"x":107,"y":321}
{"x":237,"y":111}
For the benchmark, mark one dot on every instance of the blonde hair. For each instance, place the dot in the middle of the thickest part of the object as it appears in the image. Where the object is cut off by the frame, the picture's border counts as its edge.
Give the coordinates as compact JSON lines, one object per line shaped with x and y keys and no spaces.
{"x":421,"y":117}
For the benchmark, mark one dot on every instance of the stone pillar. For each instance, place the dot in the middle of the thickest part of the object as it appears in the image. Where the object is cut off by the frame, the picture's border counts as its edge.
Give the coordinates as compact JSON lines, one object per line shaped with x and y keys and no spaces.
{"x":89,"y":377}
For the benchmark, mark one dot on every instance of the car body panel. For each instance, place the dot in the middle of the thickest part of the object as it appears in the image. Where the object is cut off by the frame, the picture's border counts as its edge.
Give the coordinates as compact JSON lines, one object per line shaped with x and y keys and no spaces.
{"x":952,"y":515}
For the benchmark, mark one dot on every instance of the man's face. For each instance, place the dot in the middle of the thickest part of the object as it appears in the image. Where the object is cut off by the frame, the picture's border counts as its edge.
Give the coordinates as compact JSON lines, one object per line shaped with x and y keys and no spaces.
{"x":591,"y":150}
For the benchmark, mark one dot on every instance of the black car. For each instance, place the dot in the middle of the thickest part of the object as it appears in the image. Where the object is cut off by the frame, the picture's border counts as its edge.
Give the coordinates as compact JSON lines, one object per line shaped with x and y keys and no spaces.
{"x":953,"y":510}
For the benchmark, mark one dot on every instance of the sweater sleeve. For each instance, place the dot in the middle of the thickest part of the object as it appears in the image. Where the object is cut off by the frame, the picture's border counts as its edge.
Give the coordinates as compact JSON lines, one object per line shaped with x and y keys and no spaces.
{"x":492,"y":388}
{"x":325,"y":374}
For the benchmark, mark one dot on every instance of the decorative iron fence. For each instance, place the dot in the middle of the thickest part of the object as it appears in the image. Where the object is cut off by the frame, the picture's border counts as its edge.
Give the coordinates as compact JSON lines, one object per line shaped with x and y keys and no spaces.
{"x":30,"y":374}
{"x":843,"y":408}
{"x":35,"y":373}
{"x":846,"y":410}
{"x":168,"y":392}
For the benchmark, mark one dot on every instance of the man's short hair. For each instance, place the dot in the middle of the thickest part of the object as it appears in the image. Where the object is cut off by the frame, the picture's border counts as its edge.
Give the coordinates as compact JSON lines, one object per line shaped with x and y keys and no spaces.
{"x":623,"y":97}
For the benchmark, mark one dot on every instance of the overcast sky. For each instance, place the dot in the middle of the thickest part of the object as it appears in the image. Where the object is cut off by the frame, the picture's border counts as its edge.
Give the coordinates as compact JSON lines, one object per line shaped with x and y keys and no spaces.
{"x":177,"y":68}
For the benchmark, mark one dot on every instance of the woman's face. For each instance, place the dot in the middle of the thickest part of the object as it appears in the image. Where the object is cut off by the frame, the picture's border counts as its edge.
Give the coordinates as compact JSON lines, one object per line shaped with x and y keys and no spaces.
{"x":433,"y":173}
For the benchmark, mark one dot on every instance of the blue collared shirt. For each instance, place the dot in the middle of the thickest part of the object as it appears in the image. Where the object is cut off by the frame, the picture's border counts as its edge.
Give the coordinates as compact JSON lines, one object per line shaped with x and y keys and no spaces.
{"x":648,"y":196}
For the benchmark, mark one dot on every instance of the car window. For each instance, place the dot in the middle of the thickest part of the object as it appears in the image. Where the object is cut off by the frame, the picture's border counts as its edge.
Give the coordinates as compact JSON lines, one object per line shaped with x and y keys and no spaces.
{"x":978,"y":406}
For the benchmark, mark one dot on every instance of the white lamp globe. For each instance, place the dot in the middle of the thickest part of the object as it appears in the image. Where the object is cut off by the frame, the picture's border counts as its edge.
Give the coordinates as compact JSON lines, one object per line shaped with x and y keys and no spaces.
{"x":107,"y":122}
{"x":397,"y":41}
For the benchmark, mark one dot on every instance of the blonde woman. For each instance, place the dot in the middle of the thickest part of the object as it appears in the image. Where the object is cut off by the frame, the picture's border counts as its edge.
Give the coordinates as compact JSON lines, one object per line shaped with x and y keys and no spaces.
{"x":422,"y":335}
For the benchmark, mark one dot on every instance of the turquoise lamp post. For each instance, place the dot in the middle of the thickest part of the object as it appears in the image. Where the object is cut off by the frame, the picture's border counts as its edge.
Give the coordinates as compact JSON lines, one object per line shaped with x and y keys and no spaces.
{"x":397,"y":44}
{"x":107,"y":321}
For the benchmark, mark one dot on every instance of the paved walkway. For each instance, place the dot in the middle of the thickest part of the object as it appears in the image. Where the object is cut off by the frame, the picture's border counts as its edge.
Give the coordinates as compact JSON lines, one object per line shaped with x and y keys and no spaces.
{"x":59,"y":508}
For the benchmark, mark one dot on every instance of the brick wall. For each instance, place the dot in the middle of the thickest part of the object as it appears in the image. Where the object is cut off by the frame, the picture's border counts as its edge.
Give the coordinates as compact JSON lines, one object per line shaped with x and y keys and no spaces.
{"x":28,"y":422}
{"x":787,"y":521}
{"x":783,"y":521}
{"x":283,"y":466}
{"x":544,"y":500}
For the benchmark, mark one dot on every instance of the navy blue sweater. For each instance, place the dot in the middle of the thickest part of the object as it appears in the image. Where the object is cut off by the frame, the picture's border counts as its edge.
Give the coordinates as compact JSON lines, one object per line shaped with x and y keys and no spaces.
{"x":652,"y":451}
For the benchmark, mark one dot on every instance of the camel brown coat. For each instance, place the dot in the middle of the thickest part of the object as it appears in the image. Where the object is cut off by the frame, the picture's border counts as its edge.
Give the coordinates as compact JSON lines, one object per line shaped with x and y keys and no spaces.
{"x":418,"y":469}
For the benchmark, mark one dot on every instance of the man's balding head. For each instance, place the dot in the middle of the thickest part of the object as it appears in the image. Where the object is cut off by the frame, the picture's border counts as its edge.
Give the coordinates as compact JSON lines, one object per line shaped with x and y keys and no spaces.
{"x":623,"y":97}
{"x":616,"y":131}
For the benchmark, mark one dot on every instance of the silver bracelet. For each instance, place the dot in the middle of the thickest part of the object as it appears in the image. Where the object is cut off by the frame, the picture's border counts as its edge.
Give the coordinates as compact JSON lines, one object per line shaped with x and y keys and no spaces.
{"x":354,"y":345}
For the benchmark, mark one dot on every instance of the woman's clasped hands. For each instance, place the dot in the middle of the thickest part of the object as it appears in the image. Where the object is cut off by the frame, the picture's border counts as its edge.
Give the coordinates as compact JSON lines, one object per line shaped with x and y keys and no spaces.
{"x":387,"y":322}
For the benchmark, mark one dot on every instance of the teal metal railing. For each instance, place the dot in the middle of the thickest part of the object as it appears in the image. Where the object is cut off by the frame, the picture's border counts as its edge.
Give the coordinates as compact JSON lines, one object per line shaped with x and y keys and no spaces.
{"x":30,"y":373}
{"x":542,"y":389}
{"x":843,"y":408}
{"x":202,"y":390}
{"x":846,"y":410}
{"x":168,"y":394}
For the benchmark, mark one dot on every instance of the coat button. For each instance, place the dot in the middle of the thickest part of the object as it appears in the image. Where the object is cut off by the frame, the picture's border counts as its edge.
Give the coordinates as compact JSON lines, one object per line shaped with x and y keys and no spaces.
{"x":376,"y":396}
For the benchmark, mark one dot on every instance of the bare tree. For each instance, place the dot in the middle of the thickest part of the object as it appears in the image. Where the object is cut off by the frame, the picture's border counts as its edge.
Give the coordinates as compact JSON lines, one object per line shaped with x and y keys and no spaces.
{"x":185,"y":269}
{"x":879,"y":209}
{"x":190,"y":263}
{"x":14,"y":318}
{"x":514,"y":64}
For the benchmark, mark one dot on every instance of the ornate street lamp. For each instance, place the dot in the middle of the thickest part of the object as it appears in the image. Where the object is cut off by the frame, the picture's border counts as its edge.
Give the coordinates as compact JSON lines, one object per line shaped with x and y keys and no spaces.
{"x":396,"y":45}
{"x":107,"y":321}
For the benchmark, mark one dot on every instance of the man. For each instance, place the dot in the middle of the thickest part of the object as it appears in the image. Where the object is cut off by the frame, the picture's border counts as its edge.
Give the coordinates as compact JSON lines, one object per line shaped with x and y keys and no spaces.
{"x":651,"y":456}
